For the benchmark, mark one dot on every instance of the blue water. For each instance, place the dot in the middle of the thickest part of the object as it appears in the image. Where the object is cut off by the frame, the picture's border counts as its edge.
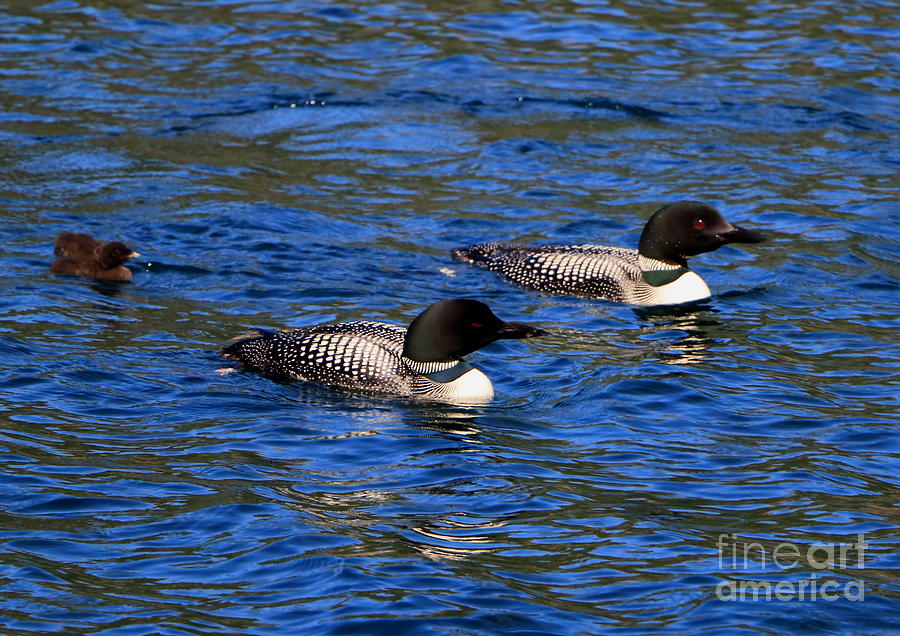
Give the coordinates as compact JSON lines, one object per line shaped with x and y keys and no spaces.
{"x":288,"y":163}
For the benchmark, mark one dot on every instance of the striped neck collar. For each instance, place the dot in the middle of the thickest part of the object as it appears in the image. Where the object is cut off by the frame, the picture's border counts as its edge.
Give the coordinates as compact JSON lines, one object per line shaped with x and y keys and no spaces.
{"x":657,"y":273}
{"x":451,"y":373}
{"x":439,"y":371}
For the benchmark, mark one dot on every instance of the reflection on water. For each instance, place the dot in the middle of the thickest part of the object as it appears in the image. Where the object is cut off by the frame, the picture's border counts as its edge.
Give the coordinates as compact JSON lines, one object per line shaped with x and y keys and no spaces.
{"x":455,"y":540}
{"x":284,"y":167}
{"x":679,"y":338}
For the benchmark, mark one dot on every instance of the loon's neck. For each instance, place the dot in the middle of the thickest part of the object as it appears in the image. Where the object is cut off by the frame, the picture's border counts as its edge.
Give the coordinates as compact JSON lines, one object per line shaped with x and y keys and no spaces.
{"x":450,"y":374}
{"x":657,"y":273}
{"x":438,"y":371}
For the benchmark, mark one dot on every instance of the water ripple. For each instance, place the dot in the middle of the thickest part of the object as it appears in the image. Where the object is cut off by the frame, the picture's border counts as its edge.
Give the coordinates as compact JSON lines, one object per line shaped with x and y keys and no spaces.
{"x":281,"y":166}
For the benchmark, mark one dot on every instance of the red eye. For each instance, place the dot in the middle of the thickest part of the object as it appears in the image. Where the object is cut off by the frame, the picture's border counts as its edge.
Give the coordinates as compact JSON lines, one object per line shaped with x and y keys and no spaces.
{"x":477,"y":325}
{"x":699,"y":224}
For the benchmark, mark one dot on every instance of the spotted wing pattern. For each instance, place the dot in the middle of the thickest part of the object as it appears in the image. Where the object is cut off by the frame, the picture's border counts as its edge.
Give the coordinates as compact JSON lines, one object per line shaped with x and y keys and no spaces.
{"x":357,"y":355}
{"x":587,"y":271}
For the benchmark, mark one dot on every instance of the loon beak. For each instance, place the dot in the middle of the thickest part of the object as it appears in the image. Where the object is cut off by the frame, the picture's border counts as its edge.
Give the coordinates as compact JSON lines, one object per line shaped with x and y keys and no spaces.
{"x":738,"y":234}
{"x":519,"y":330}
{"x":134,"y":255}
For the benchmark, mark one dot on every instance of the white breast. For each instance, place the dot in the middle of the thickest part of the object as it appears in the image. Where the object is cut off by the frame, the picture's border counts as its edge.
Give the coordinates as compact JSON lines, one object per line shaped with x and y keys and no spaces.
{"x":471,"y":387}
{"x":686,"y":288}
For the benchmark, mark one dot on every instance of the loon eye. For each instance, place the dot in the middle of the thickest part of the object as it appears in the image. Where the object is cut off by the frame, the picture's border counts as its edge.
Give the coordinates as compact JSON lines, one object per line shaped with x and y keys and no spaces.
{"x":476,"y":325}
{"x":699,"y":224}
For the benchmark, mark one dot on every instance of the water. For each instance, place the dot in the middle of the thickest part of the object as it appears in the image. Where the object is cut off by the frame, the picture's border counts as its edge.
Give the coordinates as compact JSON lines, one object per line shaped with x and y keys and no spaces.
{"x":287,"y":163}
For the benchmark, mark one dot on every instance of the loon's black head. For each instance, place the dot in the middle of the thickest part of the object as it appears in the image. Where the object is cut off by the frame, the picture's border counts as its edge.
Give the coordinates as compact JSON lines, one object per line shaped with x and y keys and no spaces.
{"x":688,"y":228}
{"x":450,"y":329}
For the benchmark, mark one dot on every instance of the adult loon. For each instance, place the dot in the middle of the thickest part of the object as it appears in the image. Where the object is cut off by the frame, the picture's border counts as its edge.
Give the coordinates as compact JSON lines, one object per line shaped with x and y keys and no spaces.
{"x":654,"y":274}
{"x":82,"y":255}
{"x":424,"y":359}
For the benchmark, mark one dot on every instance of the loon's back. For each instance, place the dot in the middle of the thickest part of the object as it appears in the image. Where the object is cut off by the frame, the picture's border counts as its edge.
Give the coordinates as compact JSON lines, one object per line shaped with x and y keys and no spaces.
{"x":587,"y":271}
{"x":358,"y":355}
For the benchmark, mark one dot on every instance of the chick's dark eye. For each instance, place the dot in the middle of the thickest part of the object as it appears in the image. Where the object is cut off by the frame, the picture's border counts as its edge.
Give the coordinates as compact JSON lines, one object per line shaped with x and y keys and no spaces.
{"x":699,"y":224}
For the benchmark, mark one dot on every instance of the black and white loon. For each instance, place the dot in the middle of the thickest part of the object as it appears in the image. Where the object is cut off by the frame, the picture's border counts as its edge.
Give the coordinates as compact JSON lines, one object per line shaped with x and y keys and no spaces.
{"x":424,"y":359}
{"x":654,"y":274}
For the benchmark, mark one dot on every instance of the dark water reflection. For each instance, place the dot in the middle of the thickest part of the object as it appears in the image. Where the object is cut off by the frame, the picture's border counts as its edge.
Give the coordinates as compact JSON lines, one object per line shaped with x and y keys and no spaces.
{"x":285,"y":164}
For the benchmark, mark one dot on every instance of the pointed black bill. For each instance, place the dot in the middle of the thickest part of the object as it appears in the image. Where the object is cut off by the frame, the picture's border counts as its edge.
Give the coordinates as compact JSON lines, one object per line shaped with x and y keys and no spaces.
{"x":519,"y":330}
{"x":738,"y":234}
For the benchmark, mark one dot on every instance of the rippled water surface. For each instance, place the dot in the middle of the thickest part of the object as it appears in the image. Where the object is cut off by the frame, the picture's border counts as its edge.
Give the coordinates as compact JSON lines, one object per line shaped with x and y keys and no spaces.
{"x":287,"y":163}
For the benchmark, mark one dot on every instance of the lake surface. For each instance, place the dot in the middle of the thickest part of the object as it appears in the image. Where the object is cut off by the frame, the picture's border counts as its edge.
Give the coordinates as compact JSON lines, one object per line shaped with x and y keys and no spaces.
{"x":288,"y":163}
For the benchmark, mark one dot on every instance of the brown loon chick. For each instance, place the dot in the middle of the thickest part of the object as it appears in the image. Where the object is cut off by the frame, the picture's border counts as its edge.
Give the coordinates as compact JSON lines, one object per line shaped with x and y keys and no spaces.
{"x":81,"y":255}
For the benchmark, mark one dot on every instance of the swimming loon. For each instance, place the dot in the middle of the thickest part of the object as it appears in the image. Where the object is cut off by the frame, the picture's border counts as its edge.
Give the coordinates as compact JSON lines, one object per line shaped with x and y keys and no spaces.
{"x":422,"y":360}
{"x":654,"y":274}
{"x":83,"y":255}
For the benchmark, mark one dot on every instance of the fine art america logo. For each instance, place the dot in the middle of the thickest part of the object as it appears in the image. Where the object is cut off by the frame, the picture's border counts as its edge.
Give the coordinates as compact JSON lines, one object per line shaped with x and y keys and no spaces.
{"x":753,"y":557}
